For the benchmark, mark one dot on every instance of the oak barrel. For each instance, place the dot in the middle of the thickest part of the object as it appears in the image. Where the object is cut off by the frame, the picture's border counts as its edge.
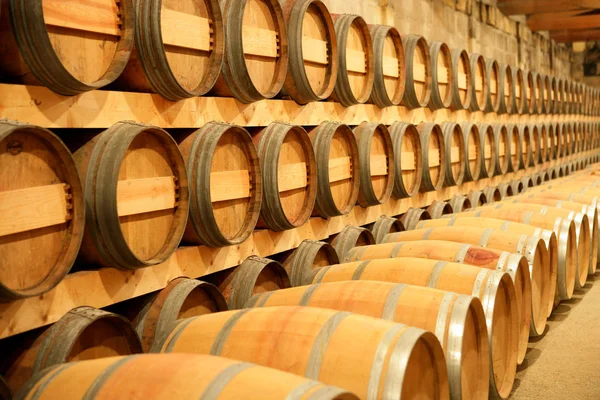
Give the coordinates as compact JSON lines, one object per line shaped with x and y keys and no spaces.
{"x":433,"y":157}
{"x":315,"y":342}
{"x":474,"y":157}
{"x":350,"y":237}
{"x":313,"y":51}
{"x":309,"y":255}
{"x":529,"y":87}
{"x":383,"y":226}
{"x":254,"y":275}
{"x":517,"y":186}
{"x":256,"y":50}
{"x":356,"y":71}
{"x":225,"y":184}
{"x":408,"y":163}
{"x":544,"y":143}
{"x":455,"y":149}
{"x":338,"y":169}
{"x":554,"y":95}
{"x":492,"y":194}
{"x":136,"y":193}
{"x":486,"y":144}
{"x":480,"y":87}
{"x":546,"y":94}
{"x":461,"y":82}
{"x":502,"y":143}
{"x":84,"y":333}
{"x":438,"y":208}
{"x":161,"y":376}
{"x":538,"y":93}
{"x":459,"y":203}
{"x":442,"y":76}
{"x":41,"y":210}
{"x":505,"y":190}
{"x":289,"y":176}
{"x":520,"y":90}
{"x":390,"y":73}
{"x":493,"y":288}
{"x":69,"y":47}
{"x":507,"y":90}
{"x":538,"y":292}
{"x":377,"y":173}
{"x":181,"y":298}
{"x":417,"y":58}
{"x":526,"y":155}
{"x":412,"y":216}
{"x":536,"y":145}
{"x":179,"y":48}
{"x":465,"y":345}
{"x":477,"y":198}
{"x":514,"y":148}
{"x":492,"y":70}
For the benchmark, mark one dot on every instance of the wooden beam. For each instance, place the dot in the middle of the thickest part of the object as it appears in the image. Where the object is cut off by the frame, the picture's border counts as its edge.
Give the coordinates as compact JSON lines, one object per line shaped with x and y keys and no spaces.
{"x":575,"y":35}
{"x":557,"y":21}
{"x":518,"y":7}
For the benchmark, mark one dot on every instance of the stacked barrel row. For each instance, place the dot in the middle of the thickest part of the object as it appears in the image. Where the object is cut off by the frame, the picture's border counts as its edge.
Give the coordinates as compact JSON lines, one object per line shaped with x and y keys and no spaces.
{"x":145,"y":190}
{"x":258,"y":49}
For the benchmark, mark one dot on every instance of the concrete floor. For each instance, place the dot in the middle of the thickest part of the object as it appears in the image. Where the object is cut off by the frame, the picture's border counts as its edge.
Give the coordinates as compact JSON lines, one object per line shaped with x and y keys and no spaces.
{"x":564,"y":363}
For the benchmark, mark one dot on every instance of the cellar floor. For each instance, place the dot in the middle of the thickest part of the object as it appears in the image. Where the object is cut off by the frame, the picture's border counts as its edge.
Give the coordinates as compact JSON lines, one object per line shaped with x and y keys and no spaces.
{"x":565,"y":363}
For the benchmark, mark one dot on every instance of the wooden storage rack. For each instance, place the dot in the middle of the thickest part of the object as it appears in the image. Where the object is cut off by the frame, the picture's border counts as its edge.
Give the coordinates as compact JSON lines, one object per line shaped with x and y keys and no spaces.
{"x":102,"y":109}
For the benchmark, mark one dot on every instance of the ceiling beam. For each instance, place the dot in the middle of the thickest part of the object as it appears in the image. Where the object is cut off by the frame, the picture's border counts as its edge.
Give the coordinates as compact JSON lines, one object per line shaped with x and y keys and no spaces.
{"x":558,"y":21}
{"x":575,"y":35}
{"x":517,"y":7}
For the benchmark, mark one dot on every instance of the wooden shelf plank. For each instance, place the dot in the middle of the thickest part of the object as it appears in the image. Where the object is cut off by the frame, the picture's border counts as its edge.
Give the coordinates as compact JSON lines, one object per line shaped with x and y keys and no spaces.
{"x":102,"y":109}
{"x":107,"y":286}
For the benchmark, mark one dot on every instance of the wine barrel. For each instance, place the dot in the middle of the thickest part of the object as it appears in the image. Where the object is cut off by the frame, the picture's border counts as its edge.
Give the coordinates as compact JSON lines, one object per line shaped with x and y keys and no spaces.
{"x":568,"y":96}
{"x":538,"y":93}
{"x":520,"y":90}
{"x":474,"y":152}
{"x":356,"y":73}
{"x":544,"y":143}
{"x":182,"y":298}
{"x":313,"y":51}
{"x":536,"y":145}
{"x":568,"y":141}
{"x":507,"y":90}
{"x":69,"y":48}
{"x":180,"y":48}
{"x":505,"y":190}
{"x":480,"y":87}
{"x":561,"y":100}
{"x":537,"y":179}
{"x":289,"y":176}
{"x":383,"y":226}
{"x":433,"y":157}
{"x":567,"y":237}
{"x":517,"y":186}
{"x":514,"y":147}
{"x":42,"y":210}
{"x":538,"y":297}
{"x":529,"y":86}
{"x":438,"y":208}
{"x":561,"y":132}
{"x":546,"y":94}
{"x":406,"y":304}
{"x":84,"y":333}
{"x":527,"y":182}
{"x":336,"y":153}
{"x":492,"y":71}
{"x":377,"y":173}
{"x":455,"y":149}
{"x":249,"y":335}
{"x":556,"y":244}
{"x":136,"y":193}
{"x":525,"y":157}
{"x":417,"y":91}
{"x":492,"y":194}
{"x":502,"y":142}
{"x":408,"y":163}
{"x":157,"y":376}
{"x":442,"y":76}
{"x":412,"y":216}
{"x":256,"y":50}
{"x":350,"y":237}
{"x":477,"y":198}
{"x":460,"y":203}
{"x":498,"y":300}
{"x":309,"y":255}
{"x":390,"y":72}
{"x":254,"y":275}
{"x":488,"y":150}
{"x":461,"y":82}
{"x":221,"y":159}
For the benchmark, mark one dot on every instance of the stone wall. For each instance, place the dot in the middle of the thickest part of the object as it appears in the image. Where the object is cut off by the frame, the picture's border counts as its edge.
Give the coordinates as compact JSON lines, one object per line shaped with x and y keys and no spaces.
{"x":475,"y":25}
